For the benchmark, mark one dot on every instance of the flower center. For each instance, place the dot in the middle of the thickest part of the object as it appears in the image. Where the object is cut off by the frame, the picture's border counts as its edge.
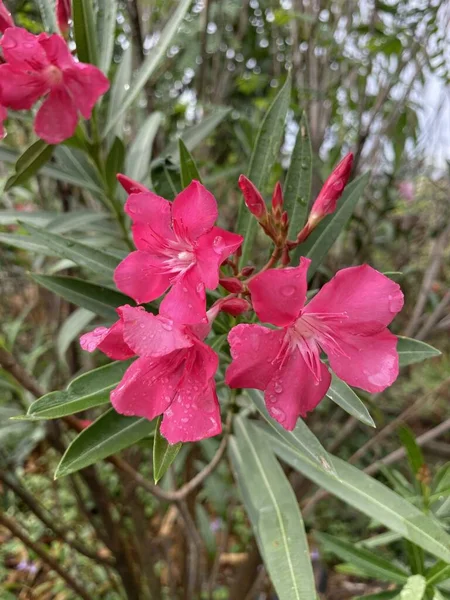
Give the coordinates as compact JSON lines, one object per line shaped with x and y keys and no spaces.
{"x":53,"y":75}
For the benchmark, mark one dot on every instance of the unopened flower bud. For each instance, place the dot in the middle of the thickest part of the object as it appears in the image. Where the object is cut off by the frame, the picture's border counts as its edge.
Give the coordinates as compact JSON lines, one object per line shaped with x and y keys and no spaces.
{"x":277,"y":201}
{"x":130,"y":185}
{"x":247,"y":271}
{"x":63,"y":14}
{"x":6,"y":19}
{"x":252,"y":197}
{"x":231,"y":284}
{"x":234,"y":306}
{"x":284,"y":219}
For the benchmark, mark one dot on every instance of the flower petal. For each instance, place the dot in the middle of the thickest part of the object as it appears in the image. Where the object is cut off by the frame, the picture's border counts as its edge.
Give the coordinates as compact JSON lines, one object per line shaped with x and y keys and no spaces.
{"x":6,"y":19}
{"x":19,"y":89}
{"x":147,"y":388}
{"x":195,"y":210}
{"x":211,"y":250}
{"x":86,"y":84}
{"x":57,"y":118}
{"x":109,"y":340}
{"x":371,"y":362}
{"x":130,"y":185}
{"x":137,"y":277}
{"x":22,"y":49}
{"x":370,"y":300}
{"x":150,"y":335}
{"x":186,"y":301}
{"x":293,"y":391}
{"x":57,"y":51}
{"x":278,"y":295}
{"x":254,"y":350}
{"x":192,"y":416}
{"x":151,"y":216}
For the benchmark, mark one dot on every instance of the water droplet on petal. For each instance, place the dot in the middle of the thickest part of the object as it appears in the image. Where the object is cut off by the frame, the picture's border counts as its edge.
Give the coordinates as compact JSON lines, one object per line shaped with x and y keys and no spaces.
{"x":278,"y":387}
{"x":287,"y":290}
{"x":277,"y":414}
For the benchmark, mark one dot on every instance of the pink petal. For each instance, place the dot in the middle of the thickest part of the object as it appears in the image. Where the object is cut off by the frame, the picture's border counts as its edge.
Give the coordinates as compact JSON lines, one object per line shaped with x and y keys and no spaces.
{"x":278,"y":295}
{"x":195,"y":210}
{"x":57,"y":51}
{"x":109,"y":340}
{"x":147,"y":388}
{"x":293,"y":391}
{"x":86,"y":84}
{"x":186,"y":301}
{"x":152,"y":220}
{"x":57,"y":118}
{"x":211,"y":250}
{"x":3,"y":117}
{"x":254,"y":350}
{"x":63,"y":14}
{"x":6,"y":19}
{"x":371,"y":362}
{"x":152,"y":336}
{"x":137,"y":277}
{"x":370,"y":300}
{"x":130,"y":185}
{"x":22,"y":49}
{"x":193,"y":415}
{"x":19,"y":89}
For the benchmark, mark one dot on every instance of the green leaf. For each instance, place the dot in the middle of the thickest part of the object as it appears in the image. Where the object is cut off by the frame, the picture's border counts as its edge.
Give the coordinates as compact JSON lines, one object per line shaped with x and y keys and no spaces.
{"x":438,"y":573}
{"x":97,"y":260}
{"x":48,"y":15}
{"x":441,"y":480}
{"x":80,"y":220}
{"x":39,"y":218}
{"x":343,"y":395}
{"x":323,"y":237}
{"x":151,"y":62}
{"x":297,"y":187}
{"x":264,"y":155}
{"x":97,"y":298}
{"x":114,"y":163}
{"x":85,"y":391}
{"x":119,"y":90}
{"x":108,"y":435}
{"x":414,"y":588}
{"x":301,"y":438}
{"x":188,"y":168}
{"x":412,"y":351}
{"x":138,"y":156}
{"x":163,"y":453}
{"x":371,"y":497}
{"x":84,"y":26}
{"x":274,"y":513}
{"x":29,"y":163}
{"x":106,"y":29}
{"x":72,"y":327}
{"x":370,"y":563}
{"x":78,"y":164}
{"x":413,"y":451}
{"x":391,"y":595}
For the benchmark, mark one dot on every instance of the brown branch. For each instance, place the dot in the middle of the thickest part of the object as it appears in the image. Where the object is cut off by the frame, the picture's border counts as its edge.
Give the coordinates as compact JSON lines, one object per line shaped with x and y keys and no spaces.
{"x":434,"y":318}
{"x":10,"y":364}
{"x":9,"y":524}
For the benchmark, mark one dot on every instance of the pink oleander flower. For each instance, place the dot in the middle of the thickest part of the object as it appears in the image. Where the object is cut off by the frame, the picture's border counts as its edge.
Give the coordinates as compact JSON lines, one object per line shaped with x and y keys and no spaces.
{"x":172,"y":376}
{"x":130,"y":185}
{"x":347,"y":320}
{"x":3,"y":117}
{"x":178,"y":247}
{"x":63,"y":14}
{"x":6,"y":19}
{"x":42,"y":67}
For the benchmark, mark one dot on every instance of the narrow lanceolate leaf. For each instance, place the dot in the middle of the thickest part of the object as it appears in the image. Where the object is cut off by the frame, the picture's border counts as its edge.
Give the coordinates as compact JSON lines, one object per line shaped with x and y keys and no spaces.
{"x":86,"y":391}
{"x":106,"y":28}
{"x":163,"y":453}
{"x":188,"y":168}
{"x":343,"y":395}
{"x":109,"y":434}
{"x":84,"y":26}
{"x":119,"y":90}
{"x":81,"y":220}
{"x":323,"y":237}
{"x":29,"y":163}
{"x":297,"y":187}
{"x":151,"y":62}
{"x":264,"y":155}
{"x":301,"y":438}
{"x":274,"y":513}
{"x":97,"y":260}
{"x":114,"y":163}
{"x":413,"y":450}
{"x":39,"y":218}
{"x":48,"y":14}
{"x":71,"y":329}
{"x":412,"y":351}
{"x":97,"y":298}
{"x":137,"y":164}
{"x":371,"y":563}
{"x":371,"y":497}
{"x":414,"y":588}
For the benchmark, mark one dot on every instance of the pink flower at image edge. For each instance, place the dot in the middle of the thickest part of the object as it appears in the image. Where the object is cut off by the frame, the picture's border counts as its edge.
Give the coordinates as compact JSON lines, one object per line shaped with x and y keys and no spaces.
{"x":173,"y":375}
{"x":6,"y":19}
{"x":178,"y":247}
{"x":43,"y":67}
{"x":347,"y":319}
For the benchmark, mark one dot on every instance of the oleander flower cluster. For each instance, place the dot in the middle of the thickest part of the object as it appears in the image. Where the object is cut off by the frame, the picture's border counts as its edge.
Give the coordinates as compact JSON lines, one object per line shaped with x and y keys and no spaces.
{"x":181,"y":256}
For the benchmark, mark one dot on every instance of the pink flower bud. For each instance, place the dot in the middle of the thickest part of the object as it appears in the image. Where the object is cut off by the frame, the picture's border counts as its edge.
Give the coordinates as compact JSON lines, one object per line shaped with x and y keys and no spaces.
{"x":129,"y":185}
{"x":284,"y":219}
{"x":277,"y":199}
{"x":234,"y":306}
{"x":331,"y":191}
{"x":63,"y":14}
{"x":247,"y":271}
{"x":253,"y":199}
{"x":231,"y":284}
{"x":6,"y":19}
